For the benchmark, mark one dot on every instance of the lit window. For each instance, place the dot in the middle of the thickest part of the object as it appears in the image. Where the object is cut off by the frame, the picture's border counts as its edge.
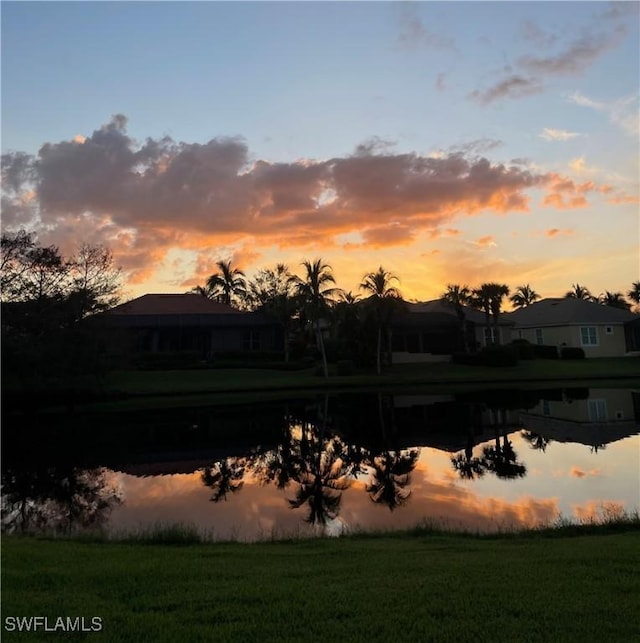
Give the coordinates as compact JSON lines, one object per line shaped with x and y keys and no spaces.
{"x":589,"y":336}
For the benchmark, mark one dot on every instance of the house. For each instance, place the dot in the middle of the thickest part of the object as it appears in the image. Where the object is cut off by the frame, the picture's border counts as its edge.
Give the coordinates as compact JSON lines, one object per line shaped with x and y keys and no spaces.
{"x":432,"y":331}
{"x":157,"y":323}
{"x":598,"y":329}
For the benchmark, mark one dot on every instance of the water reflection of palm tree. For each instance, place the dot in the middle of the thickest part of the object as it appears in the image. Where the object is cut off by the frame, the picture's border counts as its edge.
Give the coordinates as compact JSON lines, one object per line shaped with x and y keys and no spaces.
{"x":536,"y":440}
{"x":468,"y":466}
{"x":391,"y":476}
{"x":224,"y":477}
{"x":320,"y":487}
{"x":322,"y":470}
{"x":502,"y":459}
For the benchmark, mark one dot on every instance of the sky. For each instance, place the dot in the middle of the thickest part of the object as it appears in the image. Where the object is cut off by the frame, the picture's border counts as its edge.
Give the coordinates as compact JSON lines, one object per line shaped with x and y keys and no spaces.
{"x":448,"y":142}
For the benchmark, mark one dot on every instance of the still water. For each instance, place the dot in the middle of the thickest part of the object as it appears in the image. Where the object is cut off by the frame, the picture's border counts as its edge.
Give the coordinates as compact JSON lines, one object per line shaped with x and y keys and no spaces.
{"x":331,"y":464}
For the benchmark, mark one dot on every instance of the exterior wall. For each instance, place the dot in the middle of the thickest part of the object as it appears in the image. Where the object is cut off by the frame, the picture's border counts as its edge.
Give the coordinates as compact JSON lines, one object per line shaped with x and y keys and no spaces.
{"x":609,"y":345}
{"x":504,"y":335}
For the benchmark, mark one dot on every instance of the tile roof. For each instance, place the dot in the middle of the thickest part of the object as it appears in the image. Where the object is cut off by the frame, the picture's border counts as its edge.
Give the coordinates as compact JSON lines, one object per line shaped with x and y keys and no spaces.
{"x":180,"y":304}
{"x":444,"y":307}
{"x":568,"y":310}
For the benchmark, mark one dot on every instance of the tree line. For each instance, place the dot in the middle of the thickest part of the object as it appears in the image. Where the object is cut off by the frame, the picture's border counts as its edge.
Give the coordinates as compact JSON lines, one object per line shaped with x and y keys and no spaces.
{"x":47,"y":300}
{"x":314,"y":299}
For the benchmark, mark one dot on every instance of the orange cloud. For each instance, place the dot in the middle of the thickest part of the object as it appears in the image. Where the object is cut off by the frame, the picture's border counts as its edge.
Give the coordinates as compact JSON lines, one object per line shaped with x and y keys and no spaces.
{"x":144,"y":200}
{"x":576,"y":472}
{"x":554,"y":232}
{"x":484,"y":242}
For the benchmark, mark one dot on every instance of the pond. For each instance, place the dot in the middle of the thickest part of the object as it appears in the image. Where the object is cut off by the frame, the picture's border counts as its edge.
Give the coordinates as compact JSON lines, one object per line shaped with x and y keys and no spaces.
{"x":329,"y":464}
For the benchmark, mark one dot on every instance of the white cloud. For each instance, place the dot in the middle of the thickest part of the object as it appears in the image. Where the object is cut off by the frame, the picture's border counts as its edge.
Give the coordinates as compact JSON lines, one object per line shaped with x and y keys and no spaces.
{"x":622,"y":112}
{"x":550,"y":134}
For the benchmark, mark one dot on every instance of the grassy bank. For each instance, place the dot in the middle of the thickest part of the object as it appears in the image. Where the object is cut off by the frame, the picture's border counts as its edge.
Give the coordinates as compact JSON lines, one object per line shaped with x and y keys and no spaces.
{"x":563,"y":585}
{"x":194,"y":381}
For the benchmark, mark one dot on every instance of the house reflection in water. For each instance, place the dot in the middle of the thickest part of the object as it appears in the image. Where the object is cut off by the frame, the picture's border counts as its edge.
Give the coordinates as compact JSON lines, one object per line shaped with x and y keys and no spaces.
{"x":594,"y":418}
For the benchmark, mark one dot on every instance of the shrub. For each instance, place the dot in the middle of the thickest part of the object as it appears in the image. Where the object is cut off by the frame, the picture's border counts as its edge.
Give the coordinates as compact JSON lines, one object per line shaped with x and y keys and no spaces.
{"x":545,"y":351}
{"x":469,"y":359}
{"x":345,"y":367}
{"x":572,"y":352}
{"x":524,"y":349}
{"x":498,"y":355}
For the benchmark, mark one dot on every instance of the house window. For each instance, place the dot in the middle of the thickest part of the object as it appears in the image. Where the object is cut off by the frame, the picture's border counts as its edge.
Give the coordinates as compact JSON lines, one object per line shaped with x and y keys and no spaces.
{"x":608,"y":330}
{"x":598,"y":410}
{"x":491,"y":335}
{"x":589,"y":336}
{"x":251,"y":340}
{"x":539,"y":338}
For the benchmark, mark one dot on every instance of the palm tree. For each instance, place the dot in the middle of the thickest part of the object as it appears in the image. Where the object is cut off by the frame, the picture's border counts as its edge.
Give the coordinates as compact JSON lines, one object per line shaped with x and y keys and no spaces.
{"x":579,"y":292}
{"x":230,"y":282}
{"x":489,"y":299}
{"x":316,"y":295}
{"x":348,"y":323}
{"x":204,"y":291}
{"x":383,"y":297}
{"x":524,"y":296}
{"x":634,"y":293}
{"x":459,"y":297}
{"x":615,"y":300}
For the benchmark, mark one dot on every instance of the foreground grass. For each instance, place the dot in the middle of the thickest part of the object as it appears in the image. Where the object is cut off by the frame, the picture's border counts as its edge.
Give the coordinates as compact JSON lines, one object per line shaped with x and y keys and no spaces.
{"x":563,"y":585}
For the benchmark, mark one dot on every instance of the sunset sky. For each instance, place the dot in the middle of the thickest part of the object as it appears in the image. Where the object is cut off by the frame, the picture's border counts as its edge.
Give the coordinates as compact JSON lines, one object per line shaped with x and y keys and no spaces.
{"x":455,"y":142}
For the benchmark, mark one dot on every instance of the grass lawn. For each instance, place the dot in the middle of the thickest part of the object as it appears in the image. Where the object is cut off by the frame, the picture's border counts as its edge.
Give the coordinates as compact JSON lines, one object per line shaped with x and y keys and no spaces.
{"x":225,"y":380}
{"x":408,"y":587}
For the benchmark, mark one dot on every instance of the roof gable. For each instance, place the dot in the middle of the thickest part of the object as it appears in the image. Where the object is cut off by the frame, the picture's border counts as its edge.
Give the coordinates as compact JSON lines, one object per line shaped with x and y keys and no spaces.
{"x":173,"y":304}
{"x":442,"y":306}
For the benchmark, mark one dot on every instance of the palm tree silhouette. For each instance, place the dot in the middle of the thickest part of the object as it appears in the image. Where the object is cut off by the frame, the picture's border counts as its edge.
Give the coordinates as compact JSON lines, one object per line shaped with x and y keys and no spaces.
{"x":489,"y":299}
{"x":634,"y":293}
{"x":316,"y":295}
{"x":384,"y":299}
{"x":579,"y":292}
{"x":227,"y":283}
{"x":615,"y":300}
{"x":459,"y":297}
{"x":524,"y":296}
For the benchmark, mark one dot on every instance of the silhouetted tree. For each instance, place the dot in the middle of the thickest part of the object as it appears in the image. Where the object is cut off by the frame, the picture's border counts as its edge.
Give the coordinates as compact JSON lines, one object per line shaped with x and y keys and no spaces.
{"x":228,"y":283}
{"x":615,"y":300}
{"x":460,"y":297}
{"x":524,"y":296}
{"x":316,"y":294}
{"x":385,"y":300}
{"x":579,"y":292}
